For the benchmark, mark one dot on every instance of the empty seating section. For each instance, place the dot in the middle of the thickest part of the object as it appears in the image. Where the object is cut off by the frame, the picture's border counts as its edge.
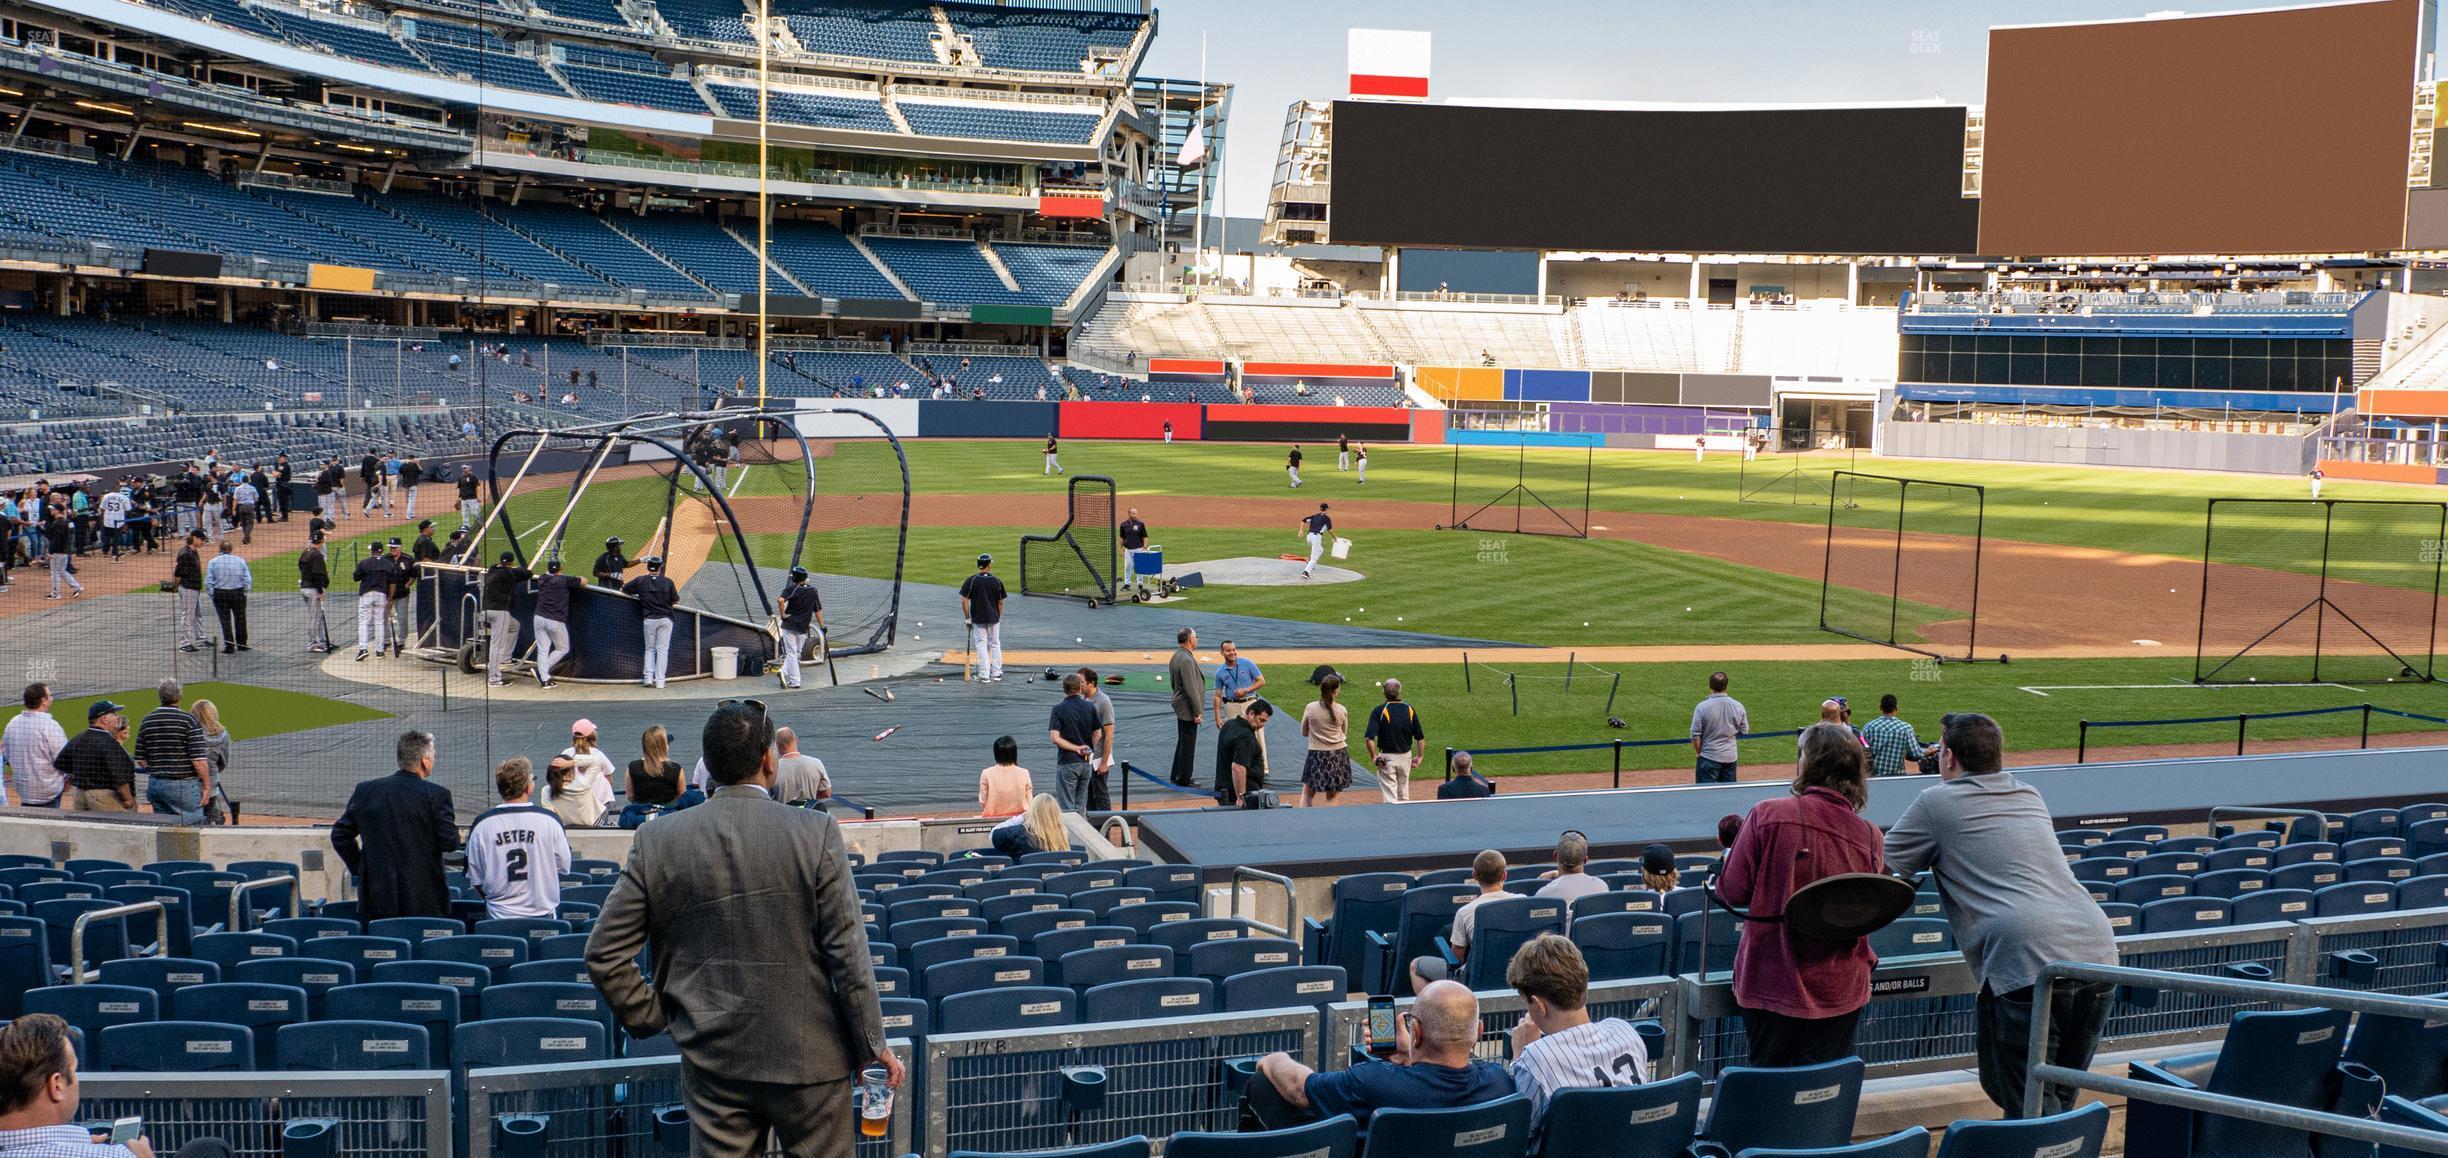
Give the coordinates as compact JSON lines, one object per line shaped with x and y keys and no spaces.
{"x":454,"y":223}
{"x":483,"y":58}
{"x":384,"y":241}
{"x":799,"y":107}
{"x":823,"y":259}
{"x":621,"y":87}
{"x":1002,"y":376}
{"x":371,"y":44}
{"x":945,"y":271}
{"x":718,"y":20}
{"x":998,"y":123}
{"x":585,"y":239}
{"x":603,"y":12}
{"x":1043,"y":41}
{"x":886,"y":31}
{"x":703,"y":248}
{"x":828,"y":370}
{"x":1049,"y":273}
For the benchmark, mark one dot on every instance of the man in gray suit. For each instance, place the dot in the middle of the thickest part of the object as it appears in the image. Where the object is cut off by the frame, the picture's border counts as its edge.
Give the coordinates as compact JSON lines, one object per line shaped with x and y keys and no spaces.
{"x":760,"y":958}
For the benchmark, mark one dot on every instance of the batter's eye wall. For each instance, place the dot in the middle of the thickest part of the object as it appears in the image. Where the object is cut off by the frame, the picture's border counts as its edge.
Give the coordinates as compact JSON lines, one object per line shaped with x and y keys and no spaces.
{"x":1797,"y":180}
{"x":2285,"y":131}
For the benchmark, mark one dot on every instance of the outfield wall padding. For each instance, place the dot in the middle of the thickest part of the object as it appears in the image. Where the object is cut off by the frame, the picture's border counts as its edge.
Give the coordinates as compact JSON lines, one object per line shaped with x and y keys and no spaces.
{"x":1522,"y":438}
{"x":1264,"y":423}
{"x":948,"y":419}
{"x":899,"y":415}
{"x":1130,"y":419}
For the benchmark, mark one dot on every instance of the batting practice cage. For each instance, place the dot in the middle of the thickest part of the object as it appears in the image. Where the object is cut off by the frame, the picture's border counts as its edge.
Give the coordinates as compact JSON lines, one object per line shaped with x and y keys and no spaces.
{"x":2319,"y":591}
{"x":1903,"y":563}
{"x":1519,"y":490}
{"x":1080,"y":559}
{"x":1789,"y":477}
{"x":729,"y":500}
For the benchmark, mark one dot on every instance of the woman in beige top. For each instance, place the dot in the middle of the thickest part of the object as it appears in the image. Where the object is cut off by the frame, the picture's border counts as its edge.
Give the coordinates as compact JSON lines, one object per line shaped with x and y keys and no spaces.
{"x":1328,"y":770}
{"x":1004,"y":789}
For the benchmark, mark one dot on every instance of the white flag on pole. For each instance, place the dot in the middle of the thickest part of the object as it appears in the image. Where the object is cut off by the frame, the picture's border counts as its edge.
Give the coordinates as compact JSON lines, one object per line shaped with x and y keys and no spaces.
{"x":1194,"y":147}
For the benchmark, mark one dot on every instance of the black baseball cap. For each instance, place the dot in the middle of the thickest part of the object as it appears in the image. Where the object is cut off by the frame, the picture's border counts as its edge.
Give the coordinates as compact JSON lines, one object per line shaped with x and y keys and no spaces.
{"x":799,"y":574}
{"x":614,"y":541}
{"x":1657,"y":858}
{"x":425,"y":524}
{"x":507,"y":556}
{"x":395,"y":540}
{"x":100,"y":708}
{"x":984,"y":560}
{"x":654,"y":562}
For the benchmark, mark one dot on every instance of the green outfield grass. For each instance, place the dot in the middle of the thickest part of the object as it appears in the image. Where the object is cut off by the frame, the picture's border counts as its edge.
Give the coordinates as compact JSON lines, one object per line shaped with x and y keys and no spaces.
{"x":2156,"y":512}
{"x":1655,"y":702}
{"x":1519,"y":589}
{"x":250,"y":713}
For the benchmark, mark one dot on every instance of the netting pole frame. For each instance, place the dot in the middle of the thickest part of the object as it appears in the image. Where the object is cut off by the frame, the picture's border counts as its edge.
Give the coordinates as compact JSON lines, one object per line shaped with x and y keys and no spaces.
{"x":2320,"y":603}
{"x":1107,"y":582}
{"x":1895,"y":593}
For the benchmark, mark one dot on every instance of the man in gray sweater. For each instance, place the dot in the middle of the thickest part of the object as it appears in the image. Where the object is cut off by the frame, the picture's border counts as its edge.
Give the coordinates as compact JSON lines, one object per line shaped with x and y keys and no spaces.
{"x":2014,"y":904}
{"x":1189,"y":703}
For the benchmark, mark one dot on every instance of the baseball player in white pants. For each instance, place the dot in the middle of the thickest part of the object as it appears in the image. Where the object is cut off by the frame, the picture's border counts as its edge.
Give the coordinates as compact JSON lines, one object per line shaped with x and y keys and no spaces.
{"x":982,"y":598}
{"x":1316,"y":527}
{"x":658,"y":649}
{"x":504,"y":628}
{"x":373,"y":621}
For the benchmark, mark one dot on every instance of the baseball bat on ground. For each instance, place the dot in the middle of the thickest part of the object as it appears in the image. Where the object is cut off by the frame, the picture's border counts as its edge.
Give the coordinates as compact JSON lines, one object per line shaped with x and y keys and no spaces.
{"x":969,"y":649}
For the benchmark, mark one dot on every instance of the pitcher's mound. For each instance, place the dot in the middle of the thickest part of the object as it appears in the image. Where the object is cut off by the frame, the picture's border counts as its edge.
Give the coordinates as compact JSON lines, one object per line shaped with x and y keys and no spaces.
{"x":1255,"y":571}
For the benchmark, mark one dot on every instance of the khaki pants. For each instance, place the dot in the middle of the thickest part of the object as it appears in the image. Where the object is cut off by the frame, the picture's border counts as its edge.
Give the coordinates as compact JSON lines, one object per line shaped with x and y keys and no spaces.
{"x":99,"y":800}
{"x":1394,"y":776}
{"x":1229,"y":710}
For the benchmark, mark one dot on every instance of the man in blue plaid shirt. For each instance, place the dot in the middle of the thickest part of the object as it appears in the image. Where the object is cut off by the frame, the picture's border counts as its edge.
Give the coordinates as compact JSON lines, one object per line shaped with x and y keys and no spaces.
{"x":1892,"y":741}
{"x":38,"y":1100}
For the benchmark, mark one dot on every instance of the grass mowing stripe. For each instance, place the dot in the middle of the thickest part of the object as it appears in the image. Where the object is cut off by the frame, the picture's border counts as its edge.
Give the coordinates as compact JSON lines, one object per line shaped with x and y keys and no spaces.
{"x":250,"y":713}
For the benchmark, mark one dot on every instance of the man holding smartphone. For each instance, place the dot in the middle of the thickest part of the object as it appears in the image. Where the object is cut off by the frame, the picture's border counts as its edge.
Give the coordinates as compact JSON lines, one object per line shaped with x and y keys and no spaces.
{"x":39,"y":1099}
{"x":1429,"y":1068}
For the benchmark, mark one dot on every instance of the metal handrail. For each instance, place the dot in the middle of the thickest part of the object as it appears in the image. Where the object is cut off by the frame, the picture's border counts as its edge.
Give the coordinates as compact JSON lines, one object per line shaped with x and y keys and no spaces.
{"x":2320,"y":822}
{"x":2041,"y":1073}
{"x":1291,"y":900}
{"x":239,"y":891}
{"x":76,"y":932}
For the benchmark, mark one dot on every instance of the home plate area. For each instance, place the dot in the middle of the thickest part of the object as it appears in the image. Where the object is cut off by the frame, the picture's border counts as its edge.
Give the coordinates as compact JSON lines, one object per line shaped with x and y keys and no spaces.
{"x":1257,"y":571}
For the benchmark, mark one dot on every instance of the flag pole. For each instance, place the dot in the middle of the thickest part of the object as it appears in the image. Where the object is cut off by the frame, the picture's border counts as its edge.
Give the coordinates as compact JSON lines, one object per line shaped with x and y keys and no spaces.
{"x":1198,"y":127}
{"x":764,"y":172}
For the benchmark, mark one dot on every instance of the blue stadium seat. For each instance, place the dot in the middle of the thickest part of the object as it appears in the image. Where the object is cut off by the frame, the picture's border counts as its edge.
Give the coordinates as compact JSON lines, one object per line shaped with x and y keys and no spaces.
{"x":104,"y":939}
{"x":2410,"y":1054}
{"x":997,"y":887}
{"x":2143,"y":890}
{"x":1446,"y":876}
{"x":209,"y":893}
{"x":19,"y":876}
{"x":2372,"y":846}
{"x":1364,"y":903}
{"x":2272,"y":904}
{"x":25,"y":961}
{"x":1030,"y":921}
{"x":2239,"y":858}
{"x":926,"y":955}
{"x":2427,"y":837}
{"x":2380,"y":868}
{"x":882,"y":953}
{"x":2183,"y":864}
{"x":93,"y":1008}
{"x":2108,"y":870}
{"x":2423,"y":893}
{"x":313,"y":974}
{"x":976,"y":973}
{"x":1688,"y":899}
{"x":257,"y":1006}
{"x":1335,"y":1137}
{"x":2309,"y":875}
{"x":84,"y":867}
{"x":1069,"y":856}
{"x":497,"y":954}
{"x":1105,"y":902}
{"x":2372,"y":822}
{"x":2229,"y":884}
{"x":1131,"y":1147}
{"x":907,"y":1017}
{"x":434,"y":1008}
{"x":2076,"y":1133}
{"x":566,"y":947}
{"x":1083,"y":969}
{"x":1169,"y":882}
{"x":2349,"y":900}
{"x":113,"y":878}
{"x":2200,"y":845}
{"x":1640,"y":901}
{"x":958,"y":876}
{"x":1285,"y":987}
{"x":1150,"y":997}
{"x":160,"y":974}
{"x":2124,"y":919}
{"x":1793,"y":1108}
{"x":185,"y":1047}
{"x":1055,"y":944}
{"x":1078,"y":881}
{"x":527,"y":1041}
{"x":1911,"y":937}
{"x":1496,"y":1129}
{"x":909,"y":933}
{"x":2284,"y":1058}
{"x":351,"y":1045}
{"x":2306,"y":852}
{"x":415,"y":929}
{"x":529,"y":929}
{"x":40,"y":891}
{"x":228,"y":949}
{"x":890,"y":981}
{"x":1722,"y":930}
{"x":1219,"y":960}
{"x":166,"y":868}
{"x":1645,"y":1121}
{"x":547,"y":999}
{"x":2145,"y":833}
{"x":2180,"y":914}
{"x":2258,"y":839}
{"x":304,"y":929}
{"x":1145,"y":918}
{"x":363,"y":952}
{"x":1622,"y":945}
{"x":1909,"y":1143}
{"x":1179,"y":936}
{"x":2080,"y":837}
{"x":1006,"y":1009}
{"x":927,"y":907}
{"x":2129,"y":849}
{"x":562,"y":969}
{"x":467,"y":980}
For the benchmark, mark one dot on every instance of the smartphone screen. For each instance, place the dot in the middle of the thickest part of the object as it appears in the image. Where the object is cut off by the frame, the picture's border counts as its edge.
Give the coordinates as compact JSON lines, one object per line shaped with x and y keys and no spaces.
{"x":126,"y":1130}
{"x":1381,"y":1025}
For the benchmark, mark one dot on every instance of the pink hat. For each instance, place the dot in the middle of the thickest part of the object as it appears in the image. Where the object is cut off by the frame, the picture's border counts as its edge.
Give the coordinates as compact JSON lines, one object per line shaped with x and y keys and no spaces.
{"x":583,"y":728}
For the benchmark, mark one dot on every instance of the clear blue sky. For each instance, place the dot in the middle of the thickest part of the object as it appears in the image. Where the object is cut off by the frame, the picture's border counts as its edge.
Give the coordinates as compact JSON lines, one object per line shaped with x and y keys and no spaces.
{"x":1275,"y":52}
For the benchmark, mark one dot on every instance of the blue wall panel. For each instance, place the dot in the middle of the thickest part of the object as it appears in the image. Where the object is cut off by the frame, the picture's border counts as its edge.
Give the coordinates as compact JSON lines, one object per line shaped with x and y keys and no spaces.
{"x":1554,"y":385}
{"x":947,"y":419}
{"x":2269,"y":400}
{"x":1522,"y":438}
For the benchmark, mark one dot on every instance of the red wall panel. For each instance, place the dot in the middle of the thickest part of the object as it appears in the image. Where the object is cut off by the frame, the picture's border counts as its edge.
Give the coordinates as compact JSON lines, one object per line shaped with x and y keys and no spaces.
{"x":1357,"y":415}
{"x":1315,"y":370}
{"x":1129,"y":419}
{"x":1185,"y":366}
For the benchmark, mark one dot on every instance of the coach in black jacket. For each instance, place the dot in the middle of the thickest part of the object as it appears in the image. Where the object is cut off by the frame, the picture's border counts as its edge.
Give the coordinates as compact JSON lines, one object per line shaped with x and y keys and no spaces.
{"x":393,"y":834}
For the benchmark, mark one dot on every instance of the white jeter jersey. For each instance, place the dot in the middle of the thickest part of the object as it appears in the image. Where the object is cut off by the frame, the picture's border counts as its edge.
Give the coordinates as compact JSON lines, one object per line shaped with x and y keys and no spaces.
{"x":515,"y":857}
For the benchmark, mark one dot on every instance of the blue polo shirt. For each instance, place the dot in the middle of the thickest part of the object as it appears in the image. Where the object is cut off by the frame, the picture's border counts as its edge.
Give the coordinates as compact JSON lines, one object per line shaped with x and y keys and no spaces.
{"x":1233,"y":679}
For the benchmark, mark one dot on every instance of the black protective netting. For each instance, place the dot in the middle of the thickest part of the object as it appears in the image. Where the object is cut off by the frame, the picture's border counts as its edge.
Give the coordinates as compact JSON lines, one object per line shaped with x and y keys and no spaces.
{"x":1522,"y":490}
{"x":1079,"y":558}
{"x":1913,"y":548}
{"x":2302,"y":590}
